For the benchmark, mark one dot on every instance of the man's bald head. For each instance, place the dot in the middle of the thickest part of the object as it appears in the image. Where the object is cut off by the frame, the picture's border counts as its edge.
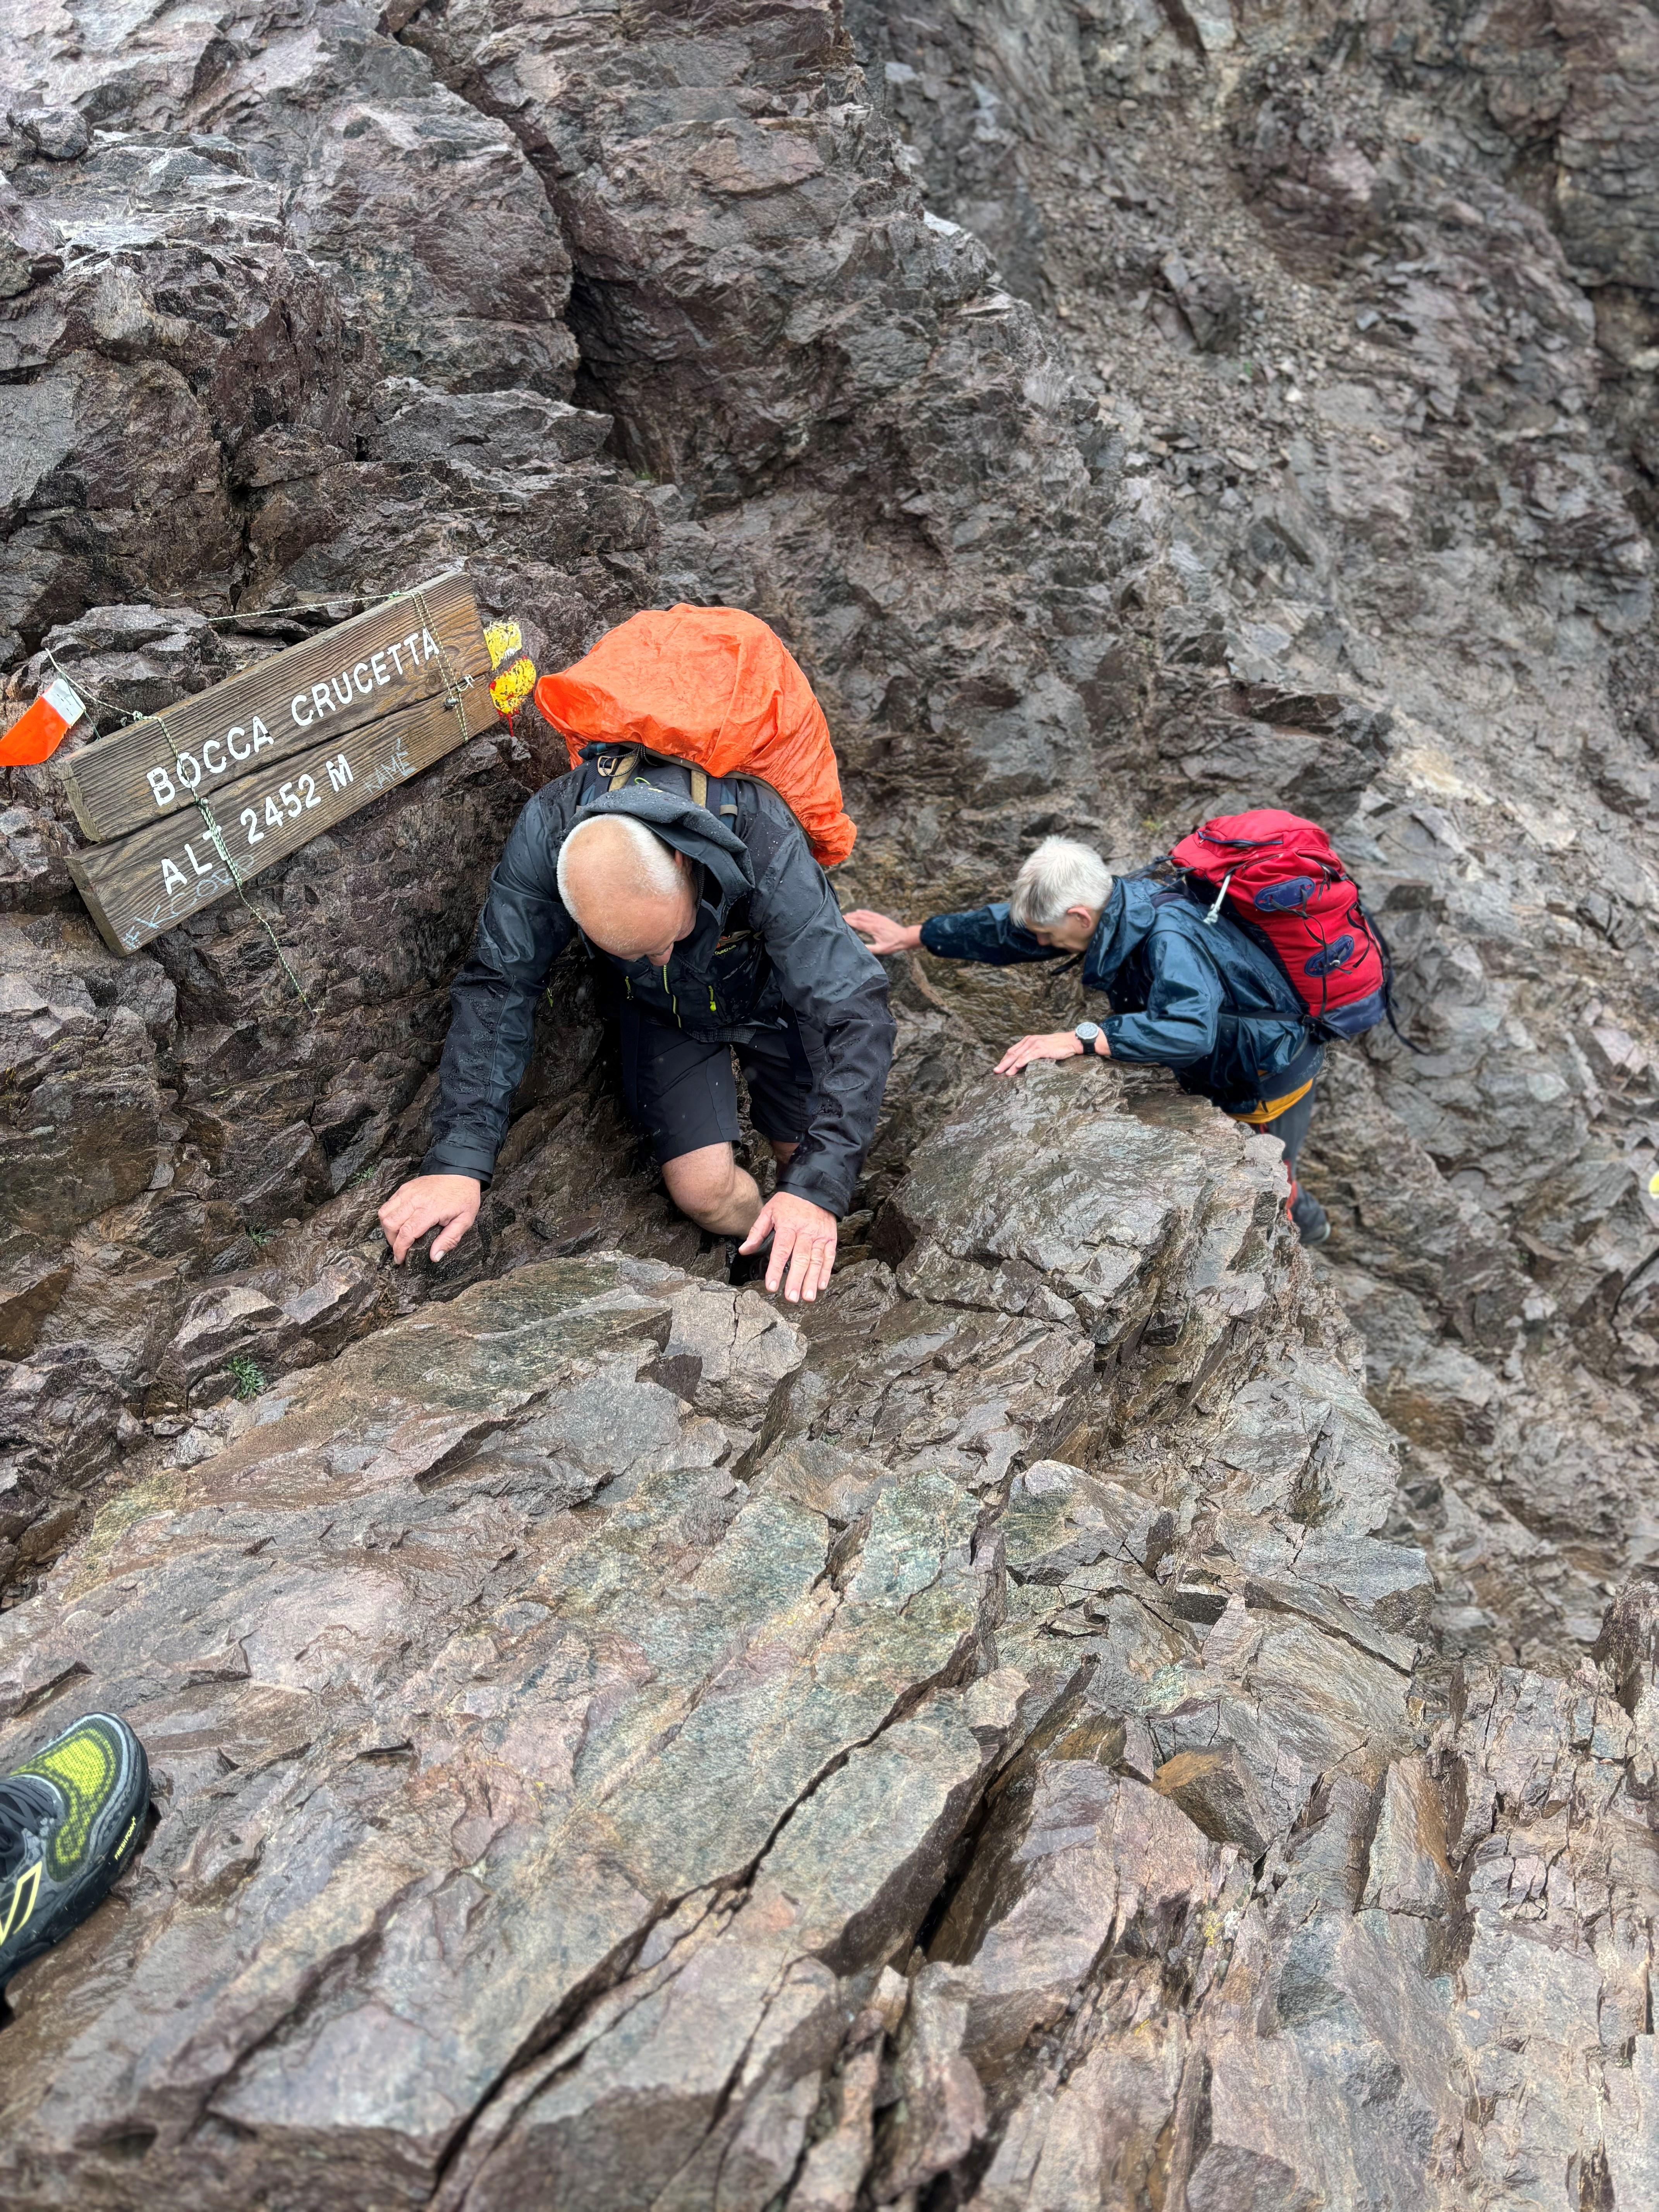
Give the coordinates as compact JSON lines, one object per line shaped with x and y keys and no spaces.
{"x":627,"y":891}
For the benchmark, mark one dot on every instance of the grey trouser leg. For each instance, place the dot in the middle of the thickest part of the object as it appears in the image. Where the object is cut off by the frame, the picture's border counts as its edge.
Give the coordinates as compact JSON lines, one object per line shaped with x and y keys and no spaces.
{"x":1292,"y":1127}
{"x":1292,"y":1130}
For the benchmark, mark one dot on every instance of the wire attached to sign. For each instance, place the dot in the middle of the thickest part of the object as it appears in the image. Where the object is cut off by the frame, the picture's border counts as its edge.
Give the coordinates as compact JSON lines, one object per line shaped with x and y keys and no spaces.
{"x":451,"y":689}
{"x":81,"y":685}
{"x":223,"y":850}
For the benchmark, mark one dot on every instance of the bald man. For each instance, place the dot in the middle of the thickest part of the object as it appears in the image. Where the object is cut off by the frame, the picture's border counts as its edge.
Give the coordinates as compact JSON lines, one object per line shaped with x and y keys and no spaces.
{"x":718,"y":934}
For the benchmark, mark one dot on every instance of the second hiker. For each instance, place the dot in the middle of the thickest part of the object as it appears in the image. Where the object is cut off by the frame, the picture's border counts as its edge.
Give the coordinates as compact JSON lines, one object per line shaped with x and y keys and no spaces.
{"x":714,"y":926}
{"x":1186,"y":991}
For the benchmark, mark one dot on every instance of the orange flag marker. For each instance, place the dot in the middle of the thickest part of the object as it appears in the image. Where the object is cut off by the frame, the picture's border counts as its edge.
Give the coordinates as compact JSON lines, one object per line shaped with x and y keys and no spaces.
{"x":39,"y":730}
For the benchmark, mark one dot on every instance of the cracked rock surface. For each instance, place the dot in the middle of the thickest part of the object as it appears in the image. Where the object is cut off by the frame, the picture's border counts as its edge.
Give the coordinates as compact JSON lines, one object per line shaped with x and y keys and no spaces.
{"x":1107,"y":1709}
{"x":620,"y":1745}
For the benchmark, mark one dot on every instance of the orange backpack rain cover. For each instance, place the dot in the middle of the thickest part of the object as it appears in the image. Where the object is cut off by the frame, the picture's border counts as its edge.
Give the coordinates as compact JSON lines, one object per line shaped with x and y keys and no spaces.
{"x":714,"y":686}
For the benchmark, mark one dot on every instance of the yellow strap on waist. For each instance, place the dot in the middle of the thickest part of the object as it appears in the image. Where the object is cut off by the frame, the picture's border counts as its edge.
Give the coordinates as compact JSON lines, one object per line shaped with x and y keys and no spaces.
{"x":1259,"y":1116}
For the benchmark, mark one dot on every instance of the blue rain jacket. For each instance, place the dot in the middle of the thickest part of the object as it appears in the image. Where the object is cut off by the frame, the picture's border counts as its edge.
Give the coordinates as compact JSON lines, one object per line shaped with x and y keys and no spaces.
{"x":1196,"y":997}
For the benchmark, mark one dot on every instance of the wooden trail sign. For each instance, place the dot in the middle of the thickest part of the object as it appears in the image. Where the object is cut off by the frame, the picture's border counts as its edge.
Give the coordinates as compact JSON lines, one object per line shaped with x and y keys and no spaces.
{"x":159,"y":876}
{"x":315,"y":693}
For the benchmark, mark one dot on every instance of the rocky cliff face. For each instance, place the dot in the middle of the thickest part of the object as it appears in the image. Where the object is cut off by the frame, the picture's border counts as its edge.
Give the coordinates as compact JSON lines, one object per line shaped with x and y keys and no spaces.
{"x":1027,"y":1735}
{"x":624,"y":1746}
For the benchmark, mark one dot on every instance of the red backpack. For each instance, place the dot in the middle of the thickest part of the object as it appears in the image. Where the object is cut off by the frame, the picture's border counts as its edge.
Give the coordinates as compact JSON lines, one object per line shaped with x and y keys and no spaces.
{"x":1281,"y":882}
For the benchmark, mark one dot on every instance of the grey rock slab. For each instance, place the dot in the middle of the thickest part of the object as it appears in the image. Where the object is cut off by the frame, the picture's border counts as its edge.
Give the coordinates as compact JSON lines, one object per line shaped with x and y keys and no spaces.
{"x":946,"y":1388}
{"x":1082,"y":1207}
{"x":326,"y":1551}
{"x":1407,"y":1869}
{"x":484,"y":430}
{"x":670,"y":2104}
{"x":1071,"y":1857}
{"x":940,"y":2115}
{"x":506,"y":1695}
{"x":458,"y":1667}
{"x":1217,"y":1792}
{"x":864,"y":1857}
{"x":1058,"y":1518}
{"x":1153,"y":1219}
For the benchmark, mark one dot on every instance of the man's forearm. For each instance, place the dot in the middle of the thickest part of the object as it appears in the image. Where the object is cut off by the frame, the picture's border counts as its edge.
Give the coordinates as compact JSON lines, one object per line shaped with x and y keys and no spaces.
{"x":491,"y":1033}
{"x":847,"y":1097}
{"x":1158,"y":1043}
{"x":521,"y":931}
{"x":469,"y":1122}
{"x":985,"y":933}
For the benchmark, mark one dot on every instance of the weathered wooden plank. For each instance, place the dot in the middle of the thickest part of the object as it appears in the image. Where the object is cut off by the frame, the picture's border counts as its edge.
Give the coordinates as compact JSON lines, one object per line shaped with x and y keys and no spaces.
{"x":317,"y":691}
{"x":159,"y":876}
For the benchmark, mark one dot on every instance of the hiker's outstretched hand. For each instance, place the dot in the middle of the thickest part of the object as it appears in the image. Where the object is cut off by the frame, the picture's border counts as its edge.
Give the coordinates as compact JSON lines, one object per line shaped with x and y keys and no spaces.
{"x":447,"y":1202}
{"x":803,"y":1242}
{"x":884,"y":934}
{"x":1056,"y":1044}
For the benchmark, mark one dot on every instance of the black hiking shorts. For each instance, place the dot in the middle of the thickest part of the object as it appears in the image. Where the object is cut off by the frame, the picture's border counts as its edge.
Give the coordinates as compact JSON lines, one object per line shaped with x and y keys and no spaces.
{"x":681,"y":1090}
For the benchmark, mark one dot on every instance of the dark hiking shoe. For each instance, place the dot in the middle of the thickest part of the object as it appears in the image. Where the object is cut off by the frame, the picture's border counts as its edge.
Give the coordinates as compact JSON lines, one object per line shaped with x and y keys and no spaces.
{"x":1312,"y":1222}
{"x":70,"y":1819}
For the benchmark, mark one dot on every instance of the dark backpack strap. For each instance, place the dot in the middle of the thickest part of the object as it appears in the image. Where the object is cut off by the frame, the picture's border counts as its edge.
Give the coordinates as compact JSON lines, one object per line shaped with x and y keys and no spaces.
{"x":628,"y":767}
{"x":1383,"y":946}
{"x":717,"y":794}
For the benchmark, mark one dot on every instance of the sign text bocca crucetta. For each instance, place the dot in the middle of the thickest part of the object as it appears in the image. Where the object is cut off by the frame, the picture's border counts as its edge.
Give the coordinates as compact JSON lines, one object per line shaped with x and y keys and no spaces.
{"x":390,"y":658}
{"x":210,"y":793}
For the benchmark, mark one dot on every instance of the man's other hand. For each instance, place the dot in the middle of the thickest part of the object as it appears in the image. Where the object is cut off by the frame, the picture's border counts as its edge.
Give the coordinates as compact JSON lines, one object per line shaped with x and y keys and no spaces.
{"x":884,"y":934}
{"x":449,"y":1202}
{"x":803,"y":1240}
{"x":1057,"y":1044}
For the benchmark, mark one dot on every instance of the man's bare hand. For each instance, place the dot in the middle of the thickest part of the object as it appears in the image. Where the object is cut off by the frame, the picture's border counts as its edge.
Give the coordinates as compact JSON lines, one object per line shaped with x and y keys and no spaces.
{"x":449,"y":1202}
{"x":885,"y":935}
{"x":803,"y":1240}
{"x":1056,"y":1044}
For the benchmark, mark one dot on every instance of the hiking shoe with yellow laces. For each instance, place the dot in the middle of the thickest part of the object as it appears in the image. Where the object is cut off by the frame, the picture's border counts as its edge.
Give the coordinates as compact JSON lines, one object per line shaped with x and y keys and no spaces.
{"x":70,"y":1819}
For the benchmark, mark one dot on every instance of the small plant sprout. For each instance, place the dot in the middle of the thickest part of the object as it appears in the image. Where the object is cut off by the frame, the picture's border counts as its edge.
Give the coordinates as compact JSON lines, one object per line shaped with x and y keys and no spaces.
{"x":247,"y":1376}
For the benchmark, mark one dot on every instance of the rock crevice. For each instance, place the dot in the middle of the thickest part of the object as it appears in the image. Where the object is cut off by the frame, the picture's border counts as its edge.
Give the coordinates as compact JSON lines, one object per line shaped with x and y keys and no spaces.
{"x":589,"y":1775}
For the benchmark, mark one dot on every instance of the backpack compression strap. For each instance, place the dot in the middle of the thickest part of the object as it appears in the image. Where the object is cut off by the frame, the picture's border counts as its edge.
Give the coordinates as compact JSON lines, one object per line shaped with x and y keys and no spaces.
{"x":630,"y":761}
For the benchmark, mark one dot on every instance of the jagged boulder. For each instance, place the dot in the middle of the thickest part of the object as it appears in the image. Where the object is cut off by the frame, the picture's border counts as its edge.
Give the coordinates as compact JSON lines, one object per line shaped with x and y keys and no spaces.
{"x":570,"y":1706}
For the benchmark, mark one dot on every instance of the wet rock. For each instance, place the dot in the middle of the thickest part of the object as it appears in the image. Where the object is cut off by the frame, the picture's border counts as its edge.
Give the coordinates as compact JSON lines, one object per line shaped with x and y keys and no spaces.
{"x":940,"y":2114}
{"x":540,"y":1385}
{"x":984,"y":1737}
{"x":229,"y":1339}
{"x":33,"y":1289}
{"x":494,"y":429}
{"x":1213,"y":302}
{"x":1214,"y":1789}
{"x":1046,"y":1896}
{"x":649,"y":1695}
{"x":131,"y":660}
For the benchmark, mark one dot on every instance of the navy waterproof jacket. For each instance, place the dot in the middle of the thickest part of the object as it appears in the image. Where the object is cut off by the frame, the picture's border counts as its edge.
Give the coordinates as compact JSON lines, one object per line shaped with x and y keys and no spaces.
{"x":1192,"y":995}
{"x":769,"y":945}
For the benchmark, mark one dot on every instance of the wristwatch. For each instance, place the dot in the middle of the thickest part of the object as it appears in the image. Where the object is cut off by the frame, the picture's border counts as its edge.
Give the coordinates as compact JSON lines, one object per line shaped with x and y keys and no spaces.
{"x":1087,"y":1034}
